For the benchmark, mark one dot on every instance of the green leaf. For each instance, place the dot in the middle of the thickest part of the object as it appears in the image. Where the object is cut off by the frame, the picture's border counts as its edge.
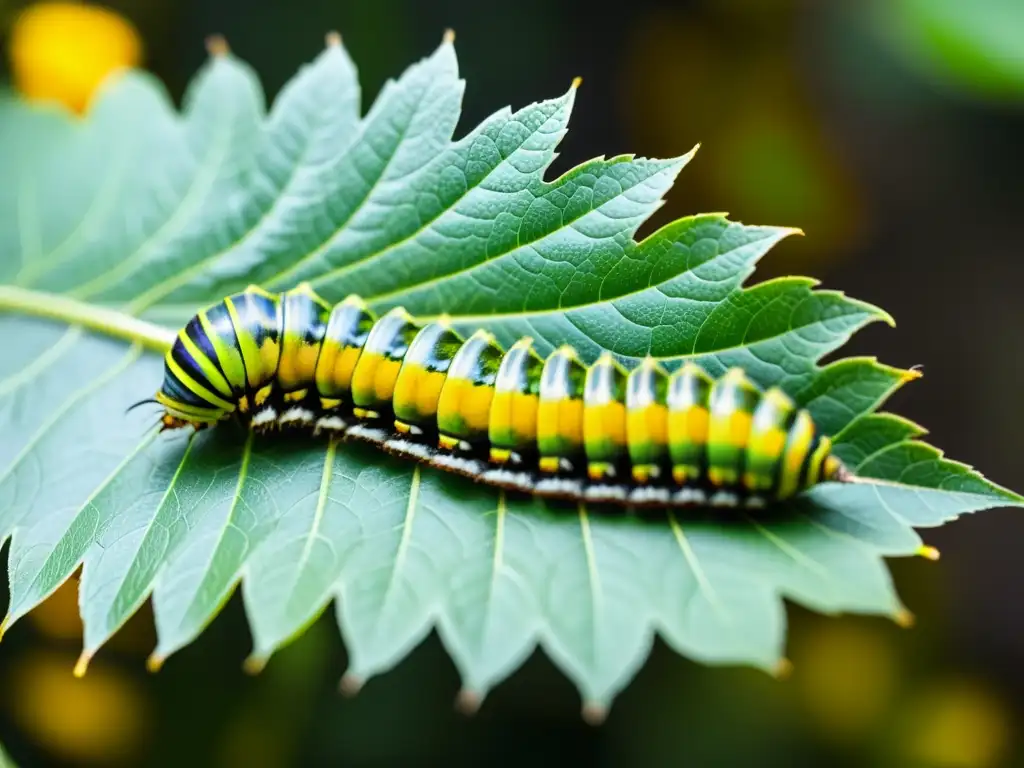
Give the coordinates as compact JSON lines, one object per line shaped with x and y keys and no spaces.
{"x":974,"y":46}
{"x":122,"y":224}
{"x":5,"y":760}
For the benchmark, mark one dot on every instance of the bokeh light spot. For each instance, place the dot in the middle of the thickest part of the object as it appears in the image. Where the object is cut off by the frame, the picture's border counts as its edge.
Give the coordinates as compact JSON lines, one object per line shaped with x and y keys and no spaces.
{"x":63,"y":51}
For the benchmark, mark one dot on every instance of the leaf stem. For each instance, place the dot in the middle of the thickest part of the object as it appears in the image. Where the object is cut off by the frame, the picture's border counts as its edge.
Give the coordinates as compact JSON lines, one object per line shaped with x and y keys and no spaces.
{"x":109,"y":321}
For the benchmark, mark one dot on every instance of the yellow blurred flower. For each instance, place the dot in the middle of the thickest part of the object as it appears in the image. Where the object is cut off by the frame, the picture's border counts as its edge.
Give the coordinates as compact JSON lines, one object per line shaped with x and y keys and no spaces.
{"x":102,"y":718}
{"x":848,"y":677}
{"x":63,"y":51}
{"x":959,"y":724}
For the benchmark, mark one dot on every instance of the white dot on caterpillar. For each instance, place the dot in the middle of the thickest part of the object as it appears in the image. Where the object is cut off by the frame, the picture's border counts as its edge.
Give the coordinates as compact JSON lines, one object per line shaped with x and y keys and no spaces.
{"x":469,"y":467}
{"x":552,"y":464}
{"x":409,"y":448}
{"x":690,"y":496}
{"x":649,"y":495}
{"x":329,"y":424}
{"x":452,"y":444}
{"x":557,"y":486}
{"x":263,"y":417}
{"x":606,"y":493}
{"x":405,"y":428}
{"x":296,"y":415}
{"x":723,"y":499}
{"x":502,"y":456}
{"x":521,"y":481}
{"x":370,"y":434}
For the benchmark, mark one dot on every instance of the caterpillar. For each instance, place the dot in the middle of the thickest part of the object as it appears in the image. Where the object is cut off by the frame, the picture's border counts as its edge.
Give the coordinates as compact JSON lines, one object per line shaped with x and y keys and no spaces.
{"x":552,"y":426}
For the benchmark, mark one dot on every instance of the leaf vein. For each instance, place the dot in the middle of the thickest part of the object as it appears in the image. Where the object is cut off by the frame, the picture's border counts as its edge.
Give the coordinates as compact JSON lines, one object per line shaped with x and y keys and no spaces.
{"x":703,"y":584}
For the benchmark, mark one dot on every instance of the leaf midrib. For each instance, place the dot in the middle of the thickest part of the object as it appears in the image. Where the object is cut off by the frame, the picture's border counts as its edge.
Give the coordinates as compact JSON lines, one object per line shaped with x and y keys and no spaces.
{"x":196,"y":269}
{"x":198,"y":189}
{"x":101,"y":204}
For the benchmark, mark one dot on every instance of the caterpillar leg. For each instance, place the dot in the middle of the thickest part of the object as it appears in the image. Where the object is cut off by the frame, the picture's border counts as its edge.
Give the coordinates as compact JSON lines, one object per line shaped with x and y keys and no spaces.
{"x":689,"y":497}
{"x":264,"y":419}
{"x":368,"y":432}
{"x":331,"y":423}
{"x":460,"y":465}
{"x":409,"y":448}
{"x":509,"y":479}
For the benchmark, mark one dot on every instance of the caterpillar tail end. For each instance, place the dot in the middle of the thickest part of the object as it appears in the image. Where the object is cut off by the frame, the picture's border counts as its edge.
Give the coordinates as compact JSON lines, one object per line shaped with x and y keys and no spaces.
{"x":837,"y":472}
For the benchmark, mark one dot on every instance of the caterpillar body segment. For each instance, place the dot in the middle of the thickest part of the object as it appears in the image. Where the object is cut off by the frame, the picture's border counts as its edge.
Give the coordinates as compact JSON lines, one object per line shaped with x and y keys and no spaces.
{"x":551,"y":426}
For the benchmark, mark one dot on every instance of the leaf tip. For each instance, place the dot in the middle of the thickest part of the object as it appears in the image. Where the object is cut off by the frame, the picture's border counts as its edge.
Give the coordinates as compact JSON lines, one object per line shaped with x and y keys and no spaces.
{"x":904,"y":618}
{"x":4,"y":625}
{"x":254,"y":664}
{"x":217,"y":45}
{"x":782,"y":669}
{"x":594,"y":713}
{"x":885,"y":317}
{"x":155,"y":662}
{"x":333,"y":39}
{"x":911,"y":374}
{"x":82,"y":665}
{"x":928,"y":553}
{"x":576,"y":82}
{"x":684,"y":160}
{"x":350,"y":684}
{"x":448,"y":37}
{"x":468,"y":702}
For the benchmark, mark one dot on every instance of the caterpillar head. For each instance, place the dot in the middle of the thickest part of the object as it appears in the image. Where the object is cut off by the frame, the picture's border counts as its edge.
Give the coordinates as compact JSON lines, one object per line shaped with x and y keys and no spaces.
{"x":186,"y":409}
{"x":173,"y":422}
{"x":178,"y":415}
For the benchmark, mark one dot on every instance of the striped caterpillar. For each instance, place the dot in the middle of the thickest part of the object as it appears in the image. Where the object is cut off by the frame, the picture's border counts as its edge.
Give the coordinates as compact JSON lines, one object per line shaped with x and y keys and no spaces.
{"x":509,"y":418}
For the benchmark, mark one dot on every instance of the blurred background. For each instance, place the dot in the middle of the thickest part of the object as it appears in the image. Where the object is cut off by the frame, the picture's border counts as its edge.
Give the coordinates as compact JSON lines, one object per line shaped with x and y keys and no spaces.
{"x":889,"y":130}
